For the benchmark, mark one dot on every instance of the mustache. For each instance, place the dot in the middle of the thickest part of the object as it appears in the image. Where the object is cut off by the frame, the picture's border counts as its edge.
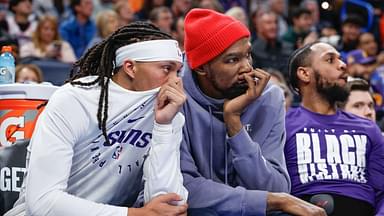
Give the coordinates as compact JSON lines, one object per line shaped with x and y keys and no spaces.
{"x":236,"y":90}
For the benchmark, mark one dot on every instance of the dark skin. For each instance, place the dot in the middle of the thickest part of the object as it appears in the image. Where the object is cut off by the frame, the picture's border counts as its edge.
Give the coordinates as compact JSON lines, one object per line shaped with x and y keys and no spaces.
{"x":232,"y":72}
{"x":331,"y":69}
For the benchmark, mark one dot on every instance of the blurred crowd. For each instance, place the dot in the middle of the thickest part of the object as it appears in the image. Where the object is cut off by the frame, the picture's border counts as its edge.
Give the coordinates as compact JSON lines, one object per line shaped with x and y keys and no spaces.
{"x":62,"y":31}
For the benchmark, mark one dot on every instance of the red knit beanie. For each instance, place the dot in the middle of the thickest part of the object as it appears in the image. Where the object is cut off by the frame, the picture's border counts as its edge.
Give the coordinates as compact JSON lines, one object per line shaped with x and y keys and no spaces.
{"x":208,"y":33}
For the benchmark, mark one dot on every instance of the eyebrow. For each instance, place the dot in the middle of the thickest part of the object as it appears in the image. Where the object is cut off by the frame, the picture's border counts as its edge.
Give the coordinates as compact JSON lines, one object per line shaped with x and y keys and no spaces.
{"x":236,"y":53}
{"x":332,"y":54}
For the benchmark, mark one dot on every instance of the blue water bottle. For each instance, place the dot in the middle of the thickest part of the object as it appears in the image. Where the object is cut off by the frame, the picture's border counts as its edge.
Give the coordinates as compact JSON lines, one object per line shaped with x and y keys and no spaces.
{"x":7,"y":66}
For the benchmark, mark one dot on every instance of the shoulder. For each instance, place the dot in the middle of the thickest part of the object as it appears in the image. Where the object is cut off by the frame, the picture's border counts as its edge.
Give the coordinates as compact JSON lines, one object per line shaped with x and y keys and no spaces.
{"x":273,"y":93}
{"x":28,"y":45}
{"x":353,"y":119}
{"x":68,"y":22}
{"x":270,"y":102}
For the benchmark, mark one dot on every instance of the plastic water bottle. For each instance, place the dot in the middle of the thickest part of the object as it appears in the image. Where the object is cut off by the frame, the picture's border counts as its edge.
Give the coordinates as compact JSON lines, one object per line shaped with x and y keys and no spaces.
{"x":7,"y":66}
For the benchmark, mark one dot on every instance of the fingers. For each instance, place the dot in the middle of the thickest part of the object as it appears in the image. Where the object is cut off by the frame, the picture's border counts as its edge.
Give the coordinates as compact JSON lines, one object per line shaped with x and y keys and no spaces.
{"x":160,"y":205}
{"x":257,"y":80}
{"x":171,"y":92}
{"x":172,"y":198}
{"x":167,"y":198}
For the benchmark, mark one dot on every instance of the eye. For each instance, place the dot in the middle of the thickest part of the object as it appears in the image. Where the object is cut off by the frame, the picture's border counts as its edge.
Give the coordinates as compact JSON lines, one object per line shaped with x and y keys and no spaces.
{"x":330,"y":60}
{"x":167,"y":68}
{"x":232,"y":60}
{"x":357,"y":105}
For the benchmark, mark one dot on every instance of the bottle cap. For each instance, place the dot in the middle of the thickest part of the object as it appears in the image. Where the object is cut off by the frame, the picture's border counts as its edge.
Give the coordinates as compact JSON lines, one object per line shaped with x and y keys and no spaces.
{"x":6,"y":49}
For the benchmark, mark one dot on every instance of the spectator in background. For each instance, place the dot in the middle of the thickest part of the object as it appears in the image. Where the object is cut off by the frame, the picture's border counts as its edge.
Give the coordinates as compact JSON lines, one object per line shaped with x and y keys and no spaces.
{"x":162,"y":18}
{"x":148,"y":6}
{"x":313,"y":7}
{"x":360,"y":100}
{"x":181,"y":7}
{"x":328,"y":33}
{"x":124,"y":12}
{"x":335,"y":159}
{"x":280,"y":9}
{"x":210,"y":4}
{"x":268,"y":50}
{"x":79,"y":29}
{"x":368,"y":45}
{"x":46,"y":43}
{"x":57,"y":8}
{"x":21,"y":23}
{"x":28,"y":73}
{"x":350,"y":32}
{"x":360,"y":64}
{"x":178,"y":31}
{"x":300,"y":33}
{"x":239,"y":14}
{"x":107,"y":22}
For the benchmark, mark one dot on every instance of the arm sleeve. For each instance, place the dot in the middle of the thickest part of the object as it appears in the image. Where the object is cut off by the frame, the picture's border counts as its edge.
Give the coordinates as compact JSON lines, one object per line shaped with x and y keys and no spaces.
{"x":375,"y":161}
{"x":162,"y":167}
{"x":224,"y":199}
{"x":262,"y":165}
{"x":28,"y":50}
{"x":56,"y":133}
{"x":379,"y":203}
{"x":67,"y":53}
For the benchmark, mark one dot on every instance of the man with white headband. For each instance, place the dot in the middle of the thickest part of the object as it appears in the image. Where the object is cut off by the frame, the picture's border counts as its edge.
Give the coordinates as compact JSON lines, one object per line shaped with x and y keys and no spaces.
{"x":115,"y":124}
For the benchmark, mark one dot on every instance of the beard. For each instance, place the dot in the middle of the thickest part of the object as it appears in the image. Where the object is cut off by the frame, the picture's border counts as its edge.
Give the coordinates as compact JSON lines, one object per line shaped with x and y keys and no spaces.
{"x":332,"y":92}
{"x":233,"y":91}
{"x":236,"y":90}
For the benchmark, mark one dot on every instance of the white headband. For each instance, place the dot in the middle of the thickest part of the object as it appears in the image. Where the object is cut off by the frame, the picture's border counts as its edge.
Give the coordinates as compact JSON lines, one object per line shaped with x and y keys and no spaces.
{"x":147,"y":51}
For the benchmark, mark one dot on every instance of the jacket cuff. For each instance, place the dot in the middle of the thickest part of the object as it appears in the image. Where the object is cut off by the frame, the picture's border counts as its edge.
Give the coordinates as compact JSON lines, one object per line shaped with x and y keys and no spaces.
{"x":255,"y":202}
{"x":242,"y":144}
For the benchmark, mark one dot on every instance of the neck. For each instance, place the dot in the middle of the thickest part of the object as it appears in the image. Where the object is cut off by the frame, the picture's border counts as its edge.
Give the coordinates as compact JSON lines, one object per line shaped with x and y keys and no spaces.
{"x":270,"y":42}
{"x":122,"y":80}
{"x":81,"y":19}
{"x":206,"y":87}
{"x":21,"y":18}
{"x":317,"y":103}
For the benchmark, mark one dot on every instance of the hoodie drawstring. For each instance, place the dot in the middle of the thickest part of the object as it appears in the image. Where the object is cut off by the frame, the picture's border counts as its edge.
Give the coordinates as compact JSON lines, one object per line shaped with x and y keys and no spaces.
{"x":226,"y":161}
{"x":211,"y":144}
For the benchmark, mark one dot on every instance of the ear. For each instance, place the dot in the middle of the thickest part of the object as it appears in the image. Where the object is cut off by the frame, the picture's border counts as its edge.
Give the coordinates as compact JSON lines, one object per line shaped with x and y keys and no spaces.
{"x":129,"y":68}
{"x":201,"y":70}
{"x":304,"y":74}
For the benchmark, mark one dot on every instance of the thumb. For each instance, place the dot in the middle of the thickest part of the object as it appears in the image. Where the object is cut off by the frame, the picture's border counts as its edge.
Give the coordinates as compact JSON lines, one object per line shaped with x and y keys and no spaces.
{"x":168,"y":197}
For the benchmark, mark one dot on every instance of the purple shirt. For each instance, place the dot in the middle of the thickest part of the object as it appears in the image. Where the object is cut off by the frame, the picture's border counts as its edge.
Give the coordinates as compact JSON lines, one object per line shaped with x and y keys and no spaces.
{"x":339,"y":154}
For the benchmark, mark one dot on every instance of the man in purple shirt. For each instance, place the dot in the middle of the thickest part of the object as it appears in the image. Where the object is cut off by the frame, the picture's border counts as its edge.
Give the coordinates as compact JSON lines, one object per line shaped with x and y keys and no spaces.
{"x":335,"y":159}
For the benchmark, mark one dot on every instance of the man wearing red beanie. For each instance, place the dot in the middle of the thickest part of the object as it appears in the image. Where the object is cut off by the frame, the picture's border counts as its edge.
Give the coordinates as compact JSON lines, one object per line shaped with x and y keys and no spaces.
{"x":232,"y":151}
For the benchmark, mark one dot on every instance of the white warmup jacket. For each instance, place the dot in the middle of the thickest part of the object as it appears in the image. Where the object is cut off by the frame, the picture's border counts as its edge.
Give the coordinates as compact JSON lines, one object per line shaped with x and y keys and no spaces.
{"x":73,"y":171}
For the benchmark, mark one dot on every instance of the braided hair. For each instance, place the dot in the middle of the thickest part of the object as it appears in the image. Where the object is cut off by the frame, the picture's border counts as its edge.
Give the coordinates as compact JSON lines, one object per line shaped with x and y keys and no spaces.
{"x":100,"y":62}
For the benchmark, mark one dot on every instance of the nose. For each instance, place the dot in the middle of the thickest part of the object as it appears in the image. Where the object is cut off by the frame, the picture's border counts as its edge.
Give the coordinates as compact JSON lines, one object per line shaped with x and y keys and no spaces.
{"x":342,"y":65}
{"x":368,"y":112}
{"x":246,"y":66}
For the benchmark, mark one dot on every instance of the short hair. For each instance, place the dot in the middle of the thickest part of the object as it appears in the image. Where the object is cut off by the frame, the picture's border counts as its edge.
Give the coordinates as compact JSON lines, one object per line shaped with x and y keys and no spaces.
{"x":13,"y":3}
{"x":73,"y":4}
{"x":353,"y":19}
{"x":297,"y":12}
{"x":155,"y":13}
{"x":357,"y":84}
{"x":299,"y":58}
